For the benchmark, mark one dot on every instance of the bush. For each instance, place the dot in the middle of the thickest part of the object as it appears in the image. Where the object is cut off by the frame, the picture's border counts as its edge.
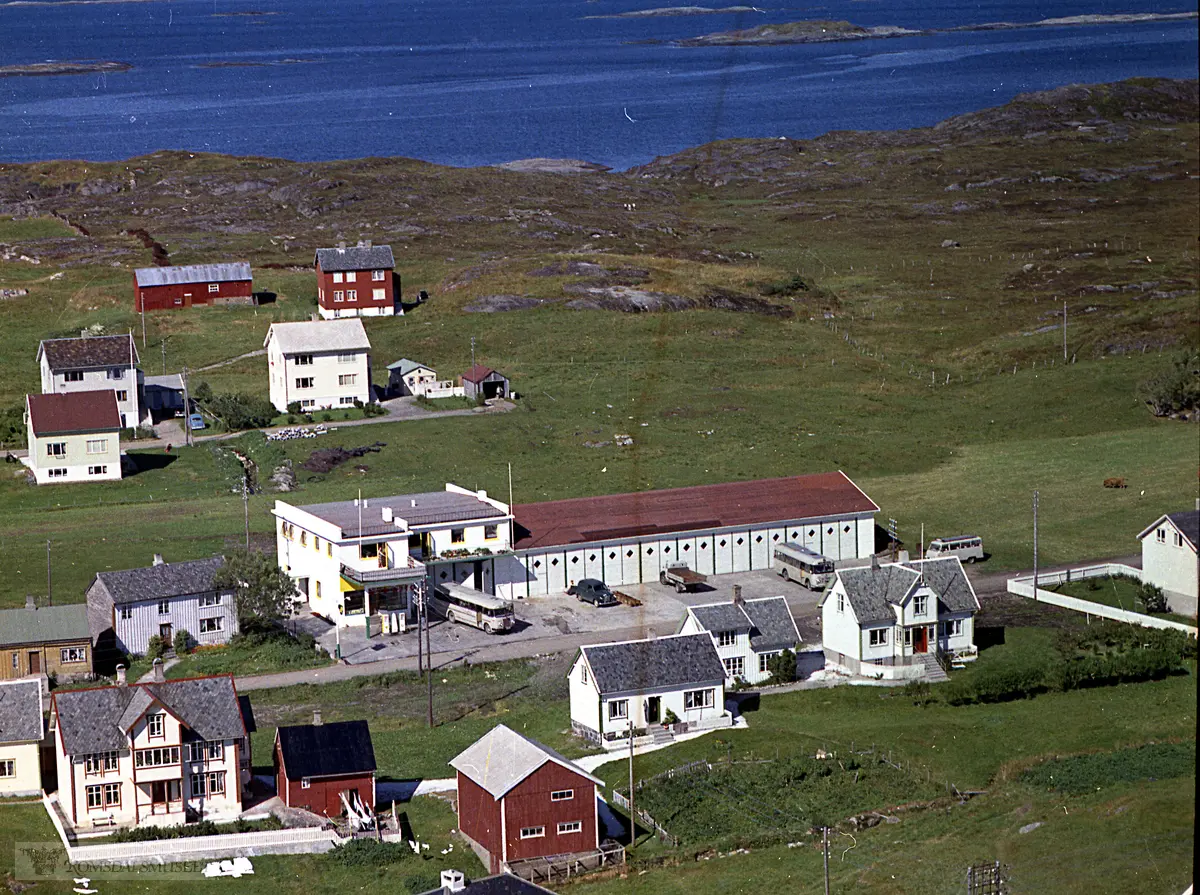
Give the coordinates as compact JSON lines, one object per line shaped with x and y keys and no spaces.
{"x":1153,"y":598}
{"x":12,"y":425}
{"x":241,"y":411}
{"x":182,"y":642}
{"x":374,"y":409}
{"x":782,"y":667}
{"x":421,"y":881}
{"x":368,"y":853}
{"x":201,"y":828}
{"x":294,"y":409}
{"x":788,"y":286}
{"x":156,"y":647}
{"x":327,"y":417}
{"x":1176,"y":390}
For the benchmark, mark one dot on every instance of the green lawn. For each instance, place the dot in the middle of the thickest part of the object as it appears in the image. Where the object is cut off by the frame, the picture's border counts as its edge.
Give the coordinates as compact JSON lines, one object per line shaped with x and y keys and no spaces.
{"x":1120,"y":592}
{"x":243,"y":659}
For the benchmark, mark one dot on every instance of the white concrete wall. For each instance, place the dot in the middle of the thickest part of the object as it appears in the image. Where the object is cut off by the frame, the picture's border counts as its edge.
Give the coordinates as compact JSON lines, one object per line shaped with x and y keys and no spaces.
{"x":840,"y":632}
{"x":374,"y":311}
{"x":76,"y":461}
{"x":585,"y":700}
{"x":26,"y":779}
{"x":1170,"y":564}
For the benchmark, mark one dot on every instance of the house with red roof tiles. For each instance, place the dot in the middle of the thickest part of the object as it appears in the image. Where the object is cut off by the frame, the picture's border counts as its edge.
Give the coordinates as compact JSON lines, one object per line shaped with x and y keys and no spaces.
{"x":73,"y":436}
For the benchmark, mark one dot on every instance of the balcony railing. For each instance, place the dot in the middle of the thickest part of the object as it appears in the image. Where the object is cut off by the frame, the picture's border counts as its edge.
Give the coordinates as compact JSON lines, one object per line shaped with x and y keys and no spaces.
{"x":411,"y":570}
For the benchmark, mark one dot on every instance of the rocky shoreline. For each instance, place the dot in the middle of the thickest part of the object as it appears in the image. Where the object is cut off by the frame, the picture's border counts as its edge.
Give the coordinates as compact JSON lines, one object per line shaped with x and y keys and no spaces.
{"x":62,"y":68}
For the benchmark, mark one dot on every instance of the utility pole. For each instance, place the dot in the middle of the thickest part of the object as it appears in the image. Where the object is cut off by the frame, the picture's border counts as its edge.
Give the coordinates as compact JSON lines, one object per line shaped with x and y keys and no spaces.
{"x":428,"y":663}
{"x":512,"y":531}
{"x":49,"y":592}
{"x":419,"y":594}
{"x":1064,"y":330}
{"x":632,"y":814}
{"x":472,"y":352}
{"x":187,"y":412}
{"x":246,"y":505}
{"x":163,"y":346}
{"x":1035,"y":545}
{"x":825,"y":849}
{"x":143,"y":325}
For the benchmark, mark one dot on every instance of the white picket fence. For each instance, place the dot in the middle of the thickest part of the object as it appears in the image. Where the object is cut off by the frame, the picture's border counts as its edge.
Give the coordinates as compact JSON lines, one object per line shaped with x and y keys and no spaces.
{"x":1022,"y":586}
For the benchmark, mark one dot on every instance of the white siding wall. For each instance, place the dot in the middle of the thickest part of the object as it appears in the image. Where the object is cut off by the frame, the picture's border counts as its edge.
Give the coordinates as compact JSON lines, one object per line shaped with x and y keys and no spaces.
{"x":840,"y":632}
{"x":77,"y":461}
{"x":27,"y":773}
{"x":585,"y":701}
{"x":1167,"y":565}
{"x":184,"y":614}
{"x":131,"y":382}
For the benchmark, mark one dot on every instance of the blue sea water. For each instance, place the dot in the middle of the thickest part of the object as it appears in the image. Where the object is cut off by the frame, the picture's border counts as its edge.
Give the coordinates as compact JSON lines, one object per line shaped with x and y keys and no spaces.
{"x":471,"y":82}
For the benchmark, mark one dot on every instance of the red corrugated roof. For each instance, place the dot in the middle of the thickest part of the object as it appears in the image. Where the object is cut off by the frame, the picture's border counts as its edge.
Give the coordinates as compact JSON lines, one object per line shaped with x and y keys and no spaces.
{"x":63,"y":414}
{"x":584,"y":519}
{"x":477,"y":373}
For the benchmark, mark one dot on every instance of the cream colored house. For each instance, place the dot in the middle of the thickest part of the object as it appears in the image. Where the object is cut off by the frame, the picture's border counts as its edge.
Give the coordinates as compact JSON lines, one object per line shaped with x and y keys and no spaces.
{"x":319,"y":364}
{"x":21,"y":731}
{"x":1169,"y":555}
{"x":158,"y":753}
{"x":73,"y":437}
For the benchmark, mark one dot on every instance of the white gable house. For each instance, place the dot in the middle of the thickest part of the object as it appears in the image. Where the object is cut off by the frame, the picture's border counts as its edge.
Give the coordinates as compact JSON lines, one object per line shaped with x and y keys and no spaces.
{"x":746,"y":633}
{"x":652,"y":687}
{"x":891,"y":621}
{"x":1169,"y":554}
{"x":318,"y":364}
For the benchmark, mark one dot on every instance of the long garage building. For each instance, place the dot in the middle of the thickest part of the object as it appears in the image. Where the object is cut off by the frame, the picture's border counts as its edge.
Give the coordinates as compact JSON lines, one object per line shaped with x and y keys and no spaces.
{"x":715,"y":529}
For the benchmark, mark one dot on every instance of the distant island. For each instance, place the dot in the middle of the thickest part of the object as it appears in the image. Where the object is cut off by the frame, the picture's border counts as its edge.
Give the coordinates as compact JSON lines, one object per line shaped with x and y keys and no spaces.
{"x":821,"y":31}
{"x":679,"y":11}
{"x":62,"y":68}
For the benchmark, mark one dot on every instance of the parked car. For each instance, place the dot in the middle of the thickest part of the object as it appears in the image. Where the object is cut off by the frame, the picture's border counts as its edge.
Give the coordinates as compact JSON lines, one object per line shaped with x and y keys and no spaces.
{"x":594,"y":591}
{"x":196,"y":421}
{"x":967,"y":548}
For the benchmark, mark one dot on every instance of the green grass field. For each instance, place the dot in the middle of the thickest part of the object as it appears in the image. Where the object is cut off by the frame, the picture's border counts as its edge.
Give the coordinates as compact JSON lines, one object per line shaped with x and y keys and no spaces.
{"x":1119,"y":592}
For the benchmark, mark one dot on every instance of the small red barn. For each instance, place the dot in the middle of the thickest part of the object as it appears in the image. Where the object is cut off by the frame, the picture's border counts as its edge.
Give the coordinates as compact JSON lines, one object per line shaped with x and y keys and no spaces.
{"x":163,"y":288}
{"x":518,"y":799}
{"x":315,"y":763}
{"x":355,"y":281}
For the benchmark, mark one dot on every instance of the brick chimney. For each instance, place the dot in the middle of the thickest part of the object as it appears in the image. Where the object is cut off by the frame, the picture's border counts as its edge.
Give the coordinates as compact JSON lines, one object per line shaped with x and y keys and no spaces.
{"x":316,"y":717}
{"x":156,"y":671}
{"x":737,"y":596}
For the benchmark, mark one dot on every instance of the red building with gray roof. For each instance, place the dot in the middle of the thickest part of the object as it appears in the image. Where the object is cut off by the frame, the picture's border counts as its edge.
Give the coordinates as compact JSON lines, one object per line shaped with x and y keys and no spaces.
{"x":166,"y":288}
{"x":355,"y":281}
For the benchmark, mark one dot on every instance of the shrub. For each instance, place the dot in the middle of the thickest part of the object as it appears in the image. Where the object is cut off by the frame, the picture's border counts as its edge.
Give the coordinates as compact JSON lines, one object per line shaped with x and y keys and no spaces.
{"x":200,"y":828}
{"x":326,"y":417}
{"x":294,"y":409}
{"x":787,"y":286}
{"x":1176,"y":390}
{"x":421,"y":881}
{"x":782,"y":667}
{"x":1153,"y":598}
{"x":182,"y":642}
{"x":156,"y":647}
{"x":12,"y":425}
{"x":368,"y":853}
{"x":374,"y":409}
{"x":241,"y":411}
{"x":201,"y":391}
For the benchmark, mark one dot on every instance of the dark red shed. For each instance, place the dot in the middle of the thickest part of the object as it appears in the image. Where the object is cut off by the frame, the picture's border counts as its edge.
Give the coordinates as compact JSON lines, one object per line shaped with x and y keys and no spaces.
{"x":316,"y":763}
{"x":162,"y":288}
{"x":518,"y":799}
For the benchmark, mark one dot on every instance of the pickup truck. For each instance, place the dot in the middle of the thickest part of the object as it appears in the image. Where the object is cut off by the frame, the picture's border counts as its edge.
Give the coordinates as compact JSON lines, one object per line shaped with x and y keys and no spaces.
{"x":681,"y":578}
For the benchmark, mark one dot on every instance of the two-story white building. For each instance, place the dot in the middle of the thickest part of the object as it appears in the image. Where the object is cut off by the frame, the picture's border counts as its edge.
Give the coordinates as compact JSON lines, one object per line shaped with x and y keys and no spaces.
{"x":653,"y":687}
{"x":748,"y":634}
{"x":162,"y":752}
{"x":73,"y":437}
{"x":318,"y":364}
{"x":127,"y":607}
{"x":890,"y":621}
{"x":1169,"y":558}
{"x":357,"y":559}
{"x":91,"y":363}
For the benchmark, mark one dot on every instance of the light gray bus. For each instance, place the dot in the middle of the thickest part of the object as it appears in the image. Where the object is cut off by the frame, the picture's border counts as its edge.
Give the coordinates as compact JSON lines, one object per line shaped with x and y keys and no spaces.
{"x":464,"y":605}
{"x":795,"y":562}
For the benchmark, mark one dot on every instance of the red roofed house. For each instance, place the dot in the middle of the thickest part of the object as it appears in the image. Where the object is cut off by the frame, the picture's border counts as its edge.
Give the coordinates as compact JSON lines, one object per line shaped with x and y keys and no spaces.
{"x":325,"y":767}
{"x":355,"y":281}
{"x":714,"y":529}
{"x":518,"y":799}
{"x":73,"y":437}
{"x":163,"y":288}
{"x":481,"y":381}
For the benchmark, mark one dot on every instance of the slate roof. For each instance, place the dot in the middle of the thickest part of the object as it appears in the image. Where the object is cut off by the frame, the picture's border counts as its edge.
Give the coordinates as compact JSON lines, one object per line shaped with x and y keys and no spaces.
{"x":432,"y":508}
{"x":503,"y":884}
{"x":96,"y":720}
{"x":326,"y":750}
{"x":49,"y":624}
{"x":582,"y":520}
{"x":71,"y":413}
{"x":87,"y":352}
{"x":664,"y":662}
{"x":479,"y":373}
{"x":406,"y":366}
{"x":234,"y":271}
{"x":170,"y":579}
{"x":1187,"y":522}
{"x":873,"y":592}
{"x":774,"y":627}
{"x":355,"y":258}
{"x":721,"y":617}
{"x":20,"y":711}
{"x":317,"y":336}
{"x":502,"y":758}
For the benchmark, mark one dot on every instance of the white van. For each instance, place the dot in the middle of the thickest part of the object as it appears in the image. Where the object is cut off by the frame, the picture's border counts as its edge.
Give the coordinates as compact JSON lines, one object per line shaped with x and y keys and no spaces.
{"x":463,"y":605}
{"x":967,"y":548}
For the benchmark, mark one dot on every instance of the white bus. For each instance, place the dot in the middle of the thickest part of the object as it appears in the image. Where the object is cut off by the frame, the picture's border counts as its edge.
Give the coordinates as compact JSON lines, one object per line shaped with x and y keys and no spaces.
{"x":464,"y":605}
{"x":968,"y":548}
{"x":795,"y":562}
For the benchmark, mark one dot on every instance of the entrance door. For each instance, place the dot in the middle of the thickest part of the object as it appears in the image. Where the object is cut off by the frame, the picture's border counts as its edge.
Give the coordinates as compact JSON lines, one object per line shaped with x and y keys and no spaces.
{"x":921,"y":640}
{"x":164,"y":631}
{"x":35,"y":663}
{"x":653,"y":709}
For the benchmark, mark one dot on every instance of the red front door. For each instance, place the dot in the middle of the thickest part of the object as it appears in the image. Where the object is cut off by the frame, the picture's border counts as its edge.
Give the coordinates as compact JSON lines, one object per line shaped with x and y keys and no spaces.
{"x":921,"y":640}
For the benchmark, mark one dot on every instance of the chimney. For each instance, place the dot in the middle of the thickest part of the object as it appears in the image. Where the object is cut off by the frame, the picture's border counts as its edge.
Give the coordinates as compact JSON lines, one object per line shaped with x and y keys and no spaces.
{"x":875,"y":562}
{"x":30,"y":603}
{"x":316,"y":717}
{"x":121,"y":681}
{"x":342,"y":246}
{"x":413,"y":502}
{"x":156,"y":671}
{"x":364,"y":243}
{"x":453,"y":880}
{"x":387,"y":514}
{"x":158,"y":560}
{"x":737,"y":596}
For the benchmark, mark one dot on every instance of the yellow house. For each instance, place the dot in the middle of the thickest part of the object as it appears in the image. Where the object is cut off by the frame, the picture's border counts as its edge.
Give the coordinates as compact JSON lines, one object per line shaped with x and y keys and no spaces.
{"x":50,"y":640}
{"x":73,"y":436}
{"x":20,"y":735}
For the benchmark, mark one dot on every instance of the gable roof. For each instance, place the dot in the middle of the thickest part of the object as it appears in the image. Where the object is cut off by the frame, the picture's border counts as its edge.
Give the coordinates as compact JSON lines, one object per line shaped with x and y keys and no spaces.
{"x":48,"y":624}
{"x":360,"y":257}
{"x":95,"y":720}
{"x":317,"y":336}
{"x":406,"y":366}
{"x":502,"y":758}
{"x":326,"y":750}
{"x":70,"y":413}
{"x":20,"y":711}
{"x":664,"y":662}
{"x":716,"y":617}
{"x":234,"y":271}
{"x":580,"y":520}
{"x":1187,"y":523}
{"x":873,"y":592}
{"x":169,"y":579}
{"x":479,"y":373}
{"x":87,"y":352}
{"x":774,"y":627}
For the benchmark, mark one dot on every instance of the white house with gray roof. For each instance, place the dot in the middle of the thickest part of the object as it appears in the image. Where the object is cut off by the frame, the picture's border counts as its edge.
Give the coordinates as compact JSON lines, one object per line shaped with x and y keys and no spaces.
{"x":21,"y":732}
{"x":1169,"y":558}
{"x":645,"y":685}
{"x":159,"y":753}
{"x":358,"y":562}
{"x":92,"y":363}
{"x":746,"y":633}
{"x":318,"y":364}
{"x":126,"y":608}
{"x":890,"y":621}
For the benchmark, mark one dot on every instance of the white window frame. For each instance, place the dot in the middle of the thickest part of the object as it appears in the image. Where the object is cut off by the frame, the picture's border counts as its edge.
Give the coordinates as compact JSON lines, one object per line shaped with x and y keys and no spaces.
{"x":122,"y":397}
{"x":346,"y":401}
{"x":97,"y":445}
{"x":877,"y":637}
{"x":562,"y":795}
{"x":305,"y":381}
{"x":73,"y":376}
{"x":379,"y":294}
{"x":209,"y":600}
{"x":213,"y":288}
{"x":351,"y":295}
{"x":726,"y":638}
{"x":351,"y":276}
{"x":116,"y":372}
{"x":566,"y":827}
{"x":764,"y":662}
{"x":58,"y":472}
{"x":69,"y":655}
{"x":156,"y":726}
{"x":125,"y":613}
{"x":347,"y":357}
{"x":56,"y":449}
{"x":213,"y":625}
{"x":735,"y":666}
{"x":303,"y":360}
{"x":164,"y":607}
{"x":8,"y":767}
{"x":618,"y":710}
{"x":533,"y":832}
{"x":694,"y":700}
{"x":920,"y":604}
{"x":347,"y":379}
{"x":339,"y":295}
{"x":305,"y":782}
{"x":379,"y":275}
{"x":338,"y":276}
{"x":97,"y":470}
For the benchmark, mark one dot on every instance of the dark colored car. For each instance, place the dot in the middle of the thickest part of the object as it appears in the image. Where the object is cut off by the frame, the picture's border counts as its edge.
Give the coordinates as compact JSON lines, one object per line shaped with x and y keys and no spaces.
{"x":594,"y":591}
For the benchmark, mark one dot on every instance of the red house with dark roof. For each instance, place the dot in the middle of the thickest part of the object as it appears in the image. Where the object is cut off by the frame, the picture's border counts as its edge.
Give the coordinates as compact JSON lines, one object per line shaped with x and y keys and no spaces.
{"x":355,"y":281}
{"x":484,"y":382}
{"x":323,"y":767}
{"x":518,"y":799}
